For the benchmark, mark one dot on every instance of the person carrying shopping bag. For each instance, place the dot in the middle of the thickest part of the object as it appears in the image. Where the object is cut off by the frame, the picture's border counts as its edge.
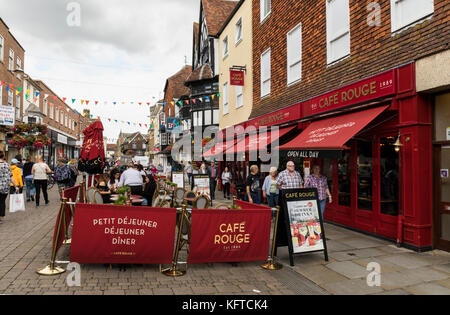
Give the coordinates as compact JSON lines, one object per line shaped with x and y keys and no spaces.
{"x":6,"y":178}
{"x":17,"y":175}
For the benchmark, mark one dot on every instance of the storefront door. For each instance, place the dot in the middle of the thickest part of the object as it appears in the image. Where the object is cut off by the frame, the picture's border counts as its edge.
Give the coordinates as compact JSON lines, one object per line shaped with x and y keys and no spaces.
{"x":442,"y":196}
{"x":365,"y":218}
{"x":389,"y":202}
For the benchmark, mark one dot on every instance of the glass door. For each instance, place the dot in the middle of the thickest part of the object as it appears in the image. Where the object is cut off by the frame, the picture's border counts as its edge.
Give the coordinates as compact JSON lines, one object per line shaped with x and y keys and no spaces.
{"x":443,"y":203}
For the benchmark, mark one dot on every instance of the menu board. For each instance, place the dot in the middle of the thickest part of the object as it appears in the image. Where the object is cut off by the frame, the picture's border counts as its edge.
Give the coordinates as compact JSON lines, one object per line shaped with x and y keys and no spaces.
{"x":304,"y":222}
{"x":201,"y":185}
{"x":178,"y":178}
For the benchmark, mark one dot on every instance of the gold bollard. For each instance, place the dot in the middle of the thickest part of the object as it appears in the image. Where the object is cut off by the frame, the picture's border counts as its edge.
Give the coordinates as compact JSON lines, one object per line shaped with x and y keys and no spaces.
{"x":173,"y":272}
{"x":52,"y":270}
{"x":67,"y":240}
{"x":271,"y":264}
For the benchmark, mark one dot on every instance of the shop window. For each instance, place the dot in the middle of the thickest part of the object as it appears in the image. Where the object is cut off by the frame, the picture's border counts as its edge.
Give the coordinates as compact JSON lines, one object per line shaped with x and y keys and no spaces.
{"x":389,"y":177}
{"x":344,"y":193}
{"x":365,"y":166}
{"x":327,"y":170}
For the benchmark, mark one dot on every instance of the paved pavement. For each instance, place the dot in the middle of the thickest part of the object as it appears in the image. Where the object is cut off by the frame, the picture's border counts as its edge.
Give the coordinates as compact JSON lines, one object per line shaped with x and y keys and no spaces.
{"x":25,"y":246}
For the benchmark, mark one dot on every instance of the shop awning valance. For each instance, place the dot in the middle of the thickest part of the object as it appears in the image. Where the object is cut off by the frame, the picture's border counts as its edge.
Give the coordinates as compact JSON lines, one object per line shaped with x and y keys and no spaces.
{"x":333,"y":133}
{"x":259,"y":141}
{"x":220,"y":147}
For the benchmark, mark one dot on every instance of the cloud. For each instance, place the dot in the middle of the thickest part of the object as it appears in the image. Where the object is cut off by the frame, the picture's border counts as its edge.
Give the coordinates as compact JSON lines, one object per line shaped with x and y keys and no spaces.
{"x":123,"y":50}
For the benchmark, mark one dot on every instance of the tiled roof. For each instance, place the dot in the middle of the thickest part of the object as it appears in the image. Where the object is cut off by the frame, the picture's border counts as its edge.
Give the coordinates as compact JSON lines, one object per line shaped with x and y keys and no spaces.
{"x":216,"y":13}
{"x":202,"y":73}
{"x":111,"y":147}
{"x":176,"y":82}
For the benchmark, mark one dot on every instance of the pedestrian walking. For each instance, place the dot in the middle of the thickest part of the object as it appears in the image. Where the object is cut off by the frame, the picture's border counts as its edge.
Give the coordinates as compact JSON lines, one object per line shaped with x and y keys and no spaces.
{"x":40,"y":171}
{"x":252,"y":186}
{"x":226,"y":182}
{"x":270,"y":190}
{"x":17,"y":175}
{"x":289,"y":178}
{"x":31,"y":189}
{"x":189,"y":171}
{"x":317,"y":180}
{"x":73,"y":164}
{"x":63,"y":174}
{"x":213,"y":172}
{"x":6,"y":179}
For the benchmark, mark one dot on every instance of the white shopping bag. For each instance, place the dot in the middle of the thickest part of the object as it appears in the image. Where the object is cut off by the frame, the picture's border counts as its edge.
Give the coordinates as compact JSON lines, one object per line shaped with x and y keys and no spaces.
{"x":16,"y":203}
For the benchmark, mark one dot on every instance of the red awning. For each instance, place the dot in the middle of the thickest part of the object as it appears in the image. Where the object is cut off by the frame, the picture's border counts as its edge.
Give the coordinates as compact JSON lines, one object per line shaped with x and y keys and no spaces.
{"x":258,"y":141}
{"x":220,"y":147}
{"x":333,"y":133}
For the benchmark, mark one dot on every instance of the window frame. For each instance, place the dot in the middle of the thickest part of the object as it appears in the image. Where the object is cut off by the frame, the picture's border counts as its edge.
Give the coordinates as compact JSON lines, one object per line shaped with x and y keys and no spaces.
{"x":295,"y":62}
{"x":226,"y":99}
{"x":241,"y":94}
{"x":11,"y":60}
{"x":262,"y":79}
{"x":2,"y":48}
{"x":263,"y":16}
{"x":225,"y":44}
{"x":337,"y":35}
{"x":239,"y":39}
{"x":396,"y":26}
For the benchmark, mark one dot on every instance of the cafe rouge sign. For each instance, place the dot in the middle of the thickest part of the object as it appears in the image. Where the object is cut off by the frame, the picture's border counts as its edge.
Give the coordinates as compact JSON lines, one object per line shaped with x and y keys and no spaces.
{"x":376,"y":87}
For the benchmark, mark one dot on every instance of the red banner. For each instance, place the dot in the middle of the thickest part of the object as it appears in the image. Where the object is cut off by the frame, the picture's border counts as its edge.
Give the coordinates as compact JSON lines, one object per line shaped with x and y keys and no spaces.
{"x":71,"y":194}
{"x":237,"y":78}
{"x":105,"y":234}
{"x":57,"y":241}
{"x":247,"y":205}
{"x":229,"y":235}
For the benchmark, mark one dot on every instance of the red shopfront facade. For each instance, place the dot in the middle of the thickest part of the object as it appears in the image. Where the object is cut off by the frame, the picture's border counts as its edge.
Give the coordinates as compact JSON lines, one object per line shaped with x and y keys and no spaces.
{"x":378,"y":186}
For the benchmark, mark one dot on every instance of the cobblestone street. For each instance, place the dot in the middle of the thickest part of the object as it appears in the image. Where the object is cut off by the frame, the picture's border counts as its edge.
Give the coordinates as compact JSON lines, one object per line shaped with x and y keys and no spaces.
{"x":26,"y":247}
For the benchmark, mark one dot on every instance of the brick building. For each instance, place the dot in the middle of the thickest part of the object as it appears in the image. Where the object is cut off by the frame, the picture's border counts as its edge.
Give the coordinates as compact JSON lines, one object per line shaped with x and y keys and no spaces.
{"x":360,"y":83}
{"x":65,"y":126}
{"x":12,"y":58}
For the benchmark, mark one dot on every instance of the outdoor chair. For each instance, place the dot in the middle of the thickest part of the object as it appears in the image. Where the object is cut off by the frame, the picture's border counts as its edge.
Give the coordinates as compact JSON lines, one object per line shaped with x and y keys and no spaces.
{"x":179,"y":196}
{"x":90,"y":195}
{"x":98,"y":199}
{"x":202,"y":202}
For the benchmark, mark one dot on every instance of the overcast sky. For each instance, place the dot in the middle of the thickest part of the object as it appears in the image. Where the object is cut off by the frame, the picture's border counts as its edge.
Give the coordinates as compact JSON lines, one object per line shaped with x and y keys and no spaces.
{"x":123,"y":51}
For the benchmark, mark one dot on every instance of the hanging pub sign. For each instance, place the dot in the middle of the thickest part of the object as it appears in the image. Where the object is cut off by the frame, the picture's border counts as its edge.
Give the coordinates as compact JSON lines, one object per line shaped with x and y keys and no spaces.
{"x":303,"y":222}
{"x":201,"y":185}
{"x":237,"y":77}
{"x":7,"y":116}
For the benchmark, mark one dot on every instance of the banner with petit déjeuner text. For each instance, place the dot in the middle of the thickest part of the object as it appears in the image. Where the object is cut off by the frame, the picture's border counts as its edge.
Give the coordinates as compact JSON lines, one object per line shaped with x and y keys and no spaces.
{"x":229,"y":235}
{"x":107,"y":234}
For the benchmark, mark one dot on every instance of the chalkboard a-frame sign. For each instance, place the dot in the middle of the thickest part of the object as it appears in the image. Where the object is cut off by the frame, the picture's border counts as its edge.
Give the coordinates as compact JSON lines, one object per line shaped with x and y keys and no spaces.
{"x":303,"y":222}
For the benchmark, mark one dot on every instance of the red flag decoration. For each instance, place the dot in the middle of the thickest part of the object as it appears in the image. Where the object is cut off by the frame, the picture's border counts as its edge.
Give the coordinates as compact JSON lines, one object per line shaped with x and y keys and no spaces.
{"x":193,"y":100}
{"x":64,"y":99}
{"x":92,"y":156}
{"x":105,"y":234}
{"x":87,"y":102}
{"x":1,"y":83}
{"x":96,"y":102}
{"x":51,"y":104}
{"x":55,"y":97}
{"x":230,"y":235}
